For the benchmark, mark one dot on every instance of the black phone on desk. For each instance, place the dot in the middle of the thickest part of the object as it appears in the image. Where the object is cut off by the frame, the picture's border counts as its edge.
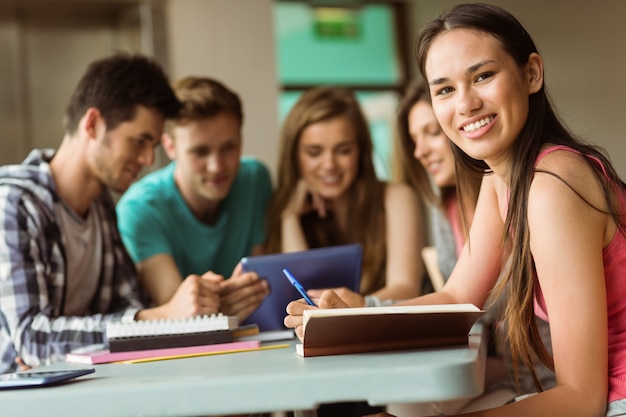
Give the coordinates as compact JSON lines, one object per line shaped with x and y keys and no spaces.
{"x":40,"y":378}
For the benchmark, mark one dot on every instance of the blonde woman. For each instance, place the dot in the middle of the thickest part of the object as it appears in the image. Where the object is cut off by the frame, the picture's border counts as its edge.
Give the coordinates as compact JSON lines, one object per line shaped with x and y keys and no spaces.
{"x":328,"y":194}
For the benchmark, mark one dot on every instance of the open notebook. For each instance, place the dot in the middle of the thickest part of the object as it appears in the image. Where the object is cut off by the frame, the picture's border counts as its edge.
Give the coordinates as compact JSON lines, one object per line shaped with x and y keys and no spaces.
{"x":378,"y":329}
{"x":330,"y":267}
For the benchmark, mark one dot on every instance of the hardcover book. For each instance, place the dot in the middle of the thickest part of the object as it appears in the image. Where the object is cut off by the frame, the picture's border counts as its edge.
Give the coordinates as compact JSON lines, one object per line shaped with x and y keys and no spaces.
{"x":376,"y":329}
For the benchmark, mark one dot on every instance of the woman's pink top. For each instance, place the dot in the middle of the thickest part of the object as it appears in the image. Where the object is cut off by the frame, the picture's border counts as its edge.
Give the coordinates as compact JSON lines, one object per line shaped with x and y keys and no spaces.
{"x":614,"y":256}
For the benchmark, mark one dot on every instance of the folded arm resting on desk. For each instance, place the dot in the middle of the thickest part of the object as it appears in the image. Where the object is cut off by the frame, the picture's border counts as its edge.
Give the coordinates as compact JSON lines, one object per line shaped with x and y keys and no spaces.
{"x":33,"y":282}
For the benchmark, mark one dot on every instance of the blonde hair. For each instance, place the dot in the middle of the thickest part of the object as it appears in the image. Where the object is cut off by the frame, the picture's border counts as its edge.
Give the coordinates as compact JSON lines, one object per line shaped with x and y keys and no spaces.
{"x":366,"y":224}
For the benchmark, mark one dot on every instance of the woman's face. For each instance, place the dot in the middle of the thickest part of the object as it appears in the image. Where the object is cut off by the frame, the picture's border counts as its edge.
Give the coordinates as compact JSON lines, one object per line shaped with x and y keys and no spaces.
{"x":432,"y":146}
{"x":479,"y":93}
{"x":328,"y":156}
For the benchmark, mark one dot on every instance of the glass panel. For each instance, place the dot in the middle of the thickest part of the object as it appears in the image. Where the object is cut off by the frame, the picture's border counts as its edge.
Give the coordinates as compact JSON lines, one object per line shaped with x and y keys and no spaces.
{"x":335,"y":46}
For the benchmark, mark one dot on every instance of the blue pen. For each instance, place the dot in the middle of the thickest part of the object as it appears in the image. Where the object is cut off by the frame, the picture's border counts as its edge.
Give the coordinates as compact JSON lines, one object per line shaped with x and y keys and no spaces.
{"x":298,"y":287}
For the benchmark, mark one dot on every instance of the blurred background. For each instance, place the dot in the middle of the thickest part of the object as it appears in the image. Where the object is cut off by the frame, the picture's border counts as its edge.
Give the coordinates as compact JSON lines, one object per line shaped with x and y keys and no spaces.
{"x":269,"y":51}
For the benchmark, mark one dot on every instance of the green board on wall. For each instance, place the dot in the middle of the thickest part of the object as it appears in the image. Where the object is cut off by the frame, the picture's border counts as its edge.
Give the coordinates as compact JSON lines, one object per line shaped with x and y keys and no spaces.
{"x":335,"y":46}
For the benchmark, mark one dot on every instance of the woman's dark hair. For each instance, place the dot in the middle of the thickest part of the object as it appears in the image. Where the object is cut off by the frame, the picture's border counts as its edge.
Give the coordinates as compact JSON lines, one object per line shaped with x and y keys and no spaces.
{"x":542,"y":127}
{"x":413,"y":172}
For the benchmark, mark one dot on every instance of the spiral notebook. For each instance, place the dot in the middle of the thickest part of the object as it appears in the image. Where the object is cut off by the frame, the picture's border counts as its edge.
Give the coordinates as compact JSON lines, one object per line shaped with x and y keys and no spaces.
{"x":170,"y":333}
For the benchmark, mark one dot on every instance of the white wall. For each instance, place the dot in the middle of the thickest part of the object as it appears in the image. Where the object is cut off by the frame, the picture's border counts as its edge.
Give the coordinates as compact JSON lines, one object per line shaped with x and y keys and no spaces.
{"x":583,"y":46}
{"x":233,"y":41}
{"x":44,"y":50}
{"x":582,"y":43}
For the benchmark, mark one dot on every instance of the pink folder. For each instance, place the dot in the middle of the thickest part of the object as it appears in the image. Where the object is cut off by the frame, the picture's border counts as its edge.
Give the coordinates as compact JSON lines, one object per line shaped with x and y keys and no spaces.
{"x":104,"y":356}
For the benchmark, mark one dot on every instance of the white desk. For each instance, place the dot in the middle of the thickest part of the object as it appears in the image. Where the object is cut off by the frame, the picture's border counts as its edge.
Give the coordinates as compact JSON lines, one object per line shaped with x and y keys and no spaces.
{"x":259,"y":381}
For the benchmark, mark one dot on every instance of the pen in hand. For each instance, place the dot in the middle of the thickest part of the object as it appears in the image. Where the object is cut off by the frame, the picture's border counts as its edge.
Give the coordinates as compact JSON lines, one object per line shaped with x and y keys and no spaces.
{"x":298,"y":287}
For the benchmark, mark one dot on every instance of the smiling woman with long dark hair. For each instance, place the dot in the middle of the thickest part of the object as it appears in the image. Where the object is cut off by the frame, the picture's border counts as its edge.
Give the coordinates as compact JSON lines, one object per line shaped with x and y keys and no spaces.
{"x":550,"y":214}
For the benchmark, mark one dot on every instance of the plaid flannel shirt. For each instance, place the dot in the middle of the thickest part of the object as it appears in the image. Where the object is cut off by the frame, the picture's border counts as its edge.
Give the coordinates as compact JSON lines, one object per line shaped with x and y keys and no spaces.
{"x":33,"y":276}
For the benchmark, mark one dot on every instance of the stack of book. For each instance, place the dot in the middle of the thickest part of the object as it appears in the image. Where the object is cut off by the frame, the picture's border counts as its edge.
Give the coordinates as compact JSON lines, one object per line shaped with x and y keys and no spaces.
{"x":171,"y":333}
{"x":169,"y":339}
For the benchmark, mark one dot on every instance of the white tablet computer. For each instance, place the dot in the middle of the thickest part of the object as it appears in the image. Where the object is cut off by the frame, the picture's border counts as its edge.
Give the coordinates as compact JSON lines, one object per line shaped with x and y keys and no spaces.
{"x":329,"y":267}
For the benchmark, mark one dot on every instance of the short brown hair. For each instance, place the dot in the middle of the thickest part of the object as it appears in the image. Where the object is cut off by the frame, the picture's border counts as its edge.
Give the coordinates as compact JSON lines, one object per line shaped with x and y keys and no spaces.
{"x":116,"y":85}
{"x":204,"y":97}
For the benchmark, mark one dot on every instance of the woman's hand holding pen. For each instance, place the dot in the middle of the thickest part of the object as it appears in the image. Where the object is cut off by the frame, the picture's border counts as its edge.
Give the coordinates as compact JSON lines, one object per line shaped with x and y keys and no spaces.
{"x":295,"y":310}
{"x":351,"y":298}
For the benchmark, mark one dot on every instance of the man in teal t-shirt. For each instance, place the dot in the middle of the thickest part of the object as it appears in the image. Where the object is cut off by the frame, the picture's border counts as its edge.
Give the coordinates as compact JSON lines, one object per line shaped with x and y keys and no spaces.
{"x":199,"y":215}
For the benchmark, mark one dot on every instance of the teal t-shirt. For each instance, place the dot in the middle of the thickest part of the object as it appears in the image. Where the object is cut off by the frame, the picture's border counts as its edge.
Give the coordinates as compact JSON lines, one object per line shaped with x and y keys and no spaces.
{"x":153,"y":218}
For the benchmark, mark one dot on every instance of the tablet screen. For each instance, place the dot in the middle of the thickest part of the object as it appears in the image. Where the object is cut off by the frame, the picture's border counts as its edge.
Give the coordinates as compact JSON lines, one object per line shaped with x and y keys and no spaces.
{"x":329,"y":267}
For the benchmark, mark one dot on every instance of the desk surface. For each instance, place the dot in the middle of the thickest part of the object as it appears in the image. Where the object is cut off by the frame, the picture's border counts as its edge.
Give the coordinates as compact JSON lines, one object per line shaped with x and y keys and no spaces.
{"x":259,"y":381}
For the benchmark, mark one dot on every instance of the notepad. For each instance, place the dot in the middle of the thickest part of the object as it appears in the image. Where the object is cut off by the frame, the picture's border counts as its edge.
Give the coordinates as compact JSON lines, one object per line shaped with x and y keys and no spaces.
{"x":269,"y":336}
{"x":170,"y":333}
{"x":377,"y":329}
